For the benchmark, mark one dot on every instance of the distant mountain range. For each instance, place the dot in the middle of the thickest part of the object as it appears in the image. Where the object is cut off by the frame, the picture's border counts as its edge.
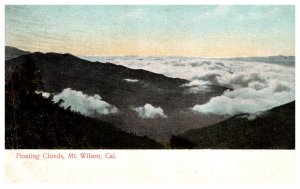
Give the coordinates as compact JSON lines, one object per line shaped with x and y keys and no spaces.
{"x":284,"y":60}
{"x":12,"y":52}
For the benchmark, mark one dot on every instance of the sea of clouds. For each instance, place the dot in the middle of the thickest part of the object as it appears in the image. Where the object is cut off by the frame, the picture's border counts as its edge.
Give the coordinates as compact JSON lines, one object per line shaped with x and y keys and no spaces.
{"x":252,"y":86}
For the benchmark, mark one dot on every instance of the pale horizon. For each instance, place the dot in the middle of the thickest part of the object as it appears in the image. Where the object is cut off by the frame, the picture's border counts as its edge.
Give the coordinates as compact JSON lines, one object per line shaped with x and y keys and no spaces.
{"x":149,"y":55}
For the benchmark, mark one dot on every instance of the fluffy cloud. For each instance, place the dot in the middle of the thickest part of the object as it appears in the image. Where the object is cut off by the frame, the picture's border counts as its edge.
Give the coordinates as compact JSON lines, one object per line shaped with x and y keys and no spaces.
{"x":131,"y":80}
{"x":247,"y":100}
{"x":84,"y":104}
{"x":255,"y":115}
{"x":149,"y":111}
{"x":44,"y":94}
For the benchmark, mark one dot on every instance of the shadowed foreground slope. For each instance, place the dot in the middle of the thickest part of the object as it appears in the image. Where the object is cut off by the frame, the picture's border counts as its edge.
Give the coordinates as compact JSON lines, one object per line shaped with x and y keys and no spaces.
{"x":272,"y":129}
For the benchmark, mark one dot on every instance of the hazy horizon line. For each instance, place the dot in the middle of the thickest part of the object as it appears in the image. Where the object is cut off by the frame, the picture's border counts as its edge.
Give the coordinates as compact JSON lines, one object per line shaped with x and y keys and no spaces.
{"x":132,"y":55}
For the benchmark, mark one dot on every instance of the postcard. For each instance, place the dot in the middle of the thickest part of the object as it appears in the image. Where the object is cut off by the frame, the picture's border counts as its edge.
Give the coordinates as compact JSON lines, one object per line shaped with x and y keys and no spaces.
{"x":120,"y":88}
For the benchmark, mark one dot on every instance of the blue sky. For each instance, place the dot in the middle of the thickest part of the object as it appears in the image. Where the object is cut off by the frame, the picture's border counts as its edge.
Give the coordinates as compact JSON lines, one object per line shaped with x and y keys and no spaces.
{"x":202,"y":31}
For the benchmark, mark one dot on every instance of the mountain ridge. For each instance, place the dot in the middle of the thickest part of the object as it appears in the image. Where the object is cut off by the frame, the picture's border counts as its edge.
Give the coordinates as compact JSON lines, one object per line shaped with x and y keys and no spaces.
{"x":288,"y":58}
{"x":271,"y":129}
{"x":12,"y":52}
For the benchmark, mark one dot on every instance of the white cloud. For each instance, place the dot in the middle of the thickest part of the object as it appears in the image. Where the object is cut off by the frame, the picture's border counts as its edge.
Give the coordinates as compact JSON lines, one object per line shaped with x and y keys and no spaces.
{"x":44,"y":94}
{"x":149,"y":111}
{"x":256,"y":87}
{"x":199,"y":89}
{"x":84,"y":104}
{"x":137,"y":13}
{"x":131,"y":80}
{"x":196,"y":83}
{"x":255,"y":115}
{"x":247,"y":100}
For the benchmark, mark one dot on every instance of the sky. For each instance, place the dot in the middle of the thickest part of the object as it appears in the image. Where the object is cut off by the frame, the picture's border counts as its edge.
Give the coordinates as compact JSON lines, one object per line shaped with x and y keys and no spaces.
{"x":191,"y":31}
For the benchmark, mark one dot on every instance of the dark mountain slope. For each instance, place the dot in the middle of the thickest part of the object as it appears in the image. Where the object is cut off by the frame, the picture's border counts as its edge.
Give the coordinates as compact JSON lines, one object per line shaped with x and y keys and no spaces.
{"x":12,"y":52}
{"x":273,"y":129}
